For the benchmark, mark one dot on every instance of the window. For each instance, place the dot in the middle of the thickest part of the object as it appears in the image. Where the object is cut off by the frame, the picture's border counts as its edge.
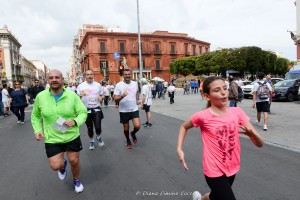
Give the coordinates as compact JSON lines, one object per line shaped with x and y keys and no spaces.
{"x":102,"y":47}
{"x":200,"y":50}
{"x":194,"y":50}
{"x":172,"y":46}
{"x":157,"y":64}
{"x":103,"y":64}
{"x":156,"y":47}
{"x":122,"y":47}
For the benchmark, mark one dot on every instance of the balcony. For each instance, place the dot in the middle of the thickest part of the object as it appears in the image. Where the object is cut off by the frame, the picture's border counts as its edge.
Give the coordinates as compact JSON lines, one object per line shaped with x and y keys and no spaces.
{"x":157,"y":52}
{"x":143,"y":52}
{"x":187,"y":53}
{"x":123,"y":51}
{"x":103,"y":51}
{"x":173,"y":52}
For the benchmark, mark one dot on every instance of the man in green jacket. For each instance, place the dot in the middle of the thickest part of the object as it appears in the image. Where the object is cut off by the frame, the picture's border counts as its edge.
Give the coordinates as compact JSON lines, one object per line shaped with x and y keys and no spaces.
{"x":62,"y":112}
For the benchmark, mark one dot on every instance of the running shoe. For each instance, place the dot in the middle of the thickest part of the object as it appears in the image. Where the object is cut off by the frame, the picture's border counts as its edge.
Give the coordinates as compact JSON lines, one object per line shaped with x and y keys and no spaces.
{"x":145,"y":124}
{"x":149,"y":125}
{"x":92,"y":146}
{"x":78,"y":187}
{"x":22,"y":122}
{"x":257,"y":123}
{"x":19,"y":121}
{"x":265,"y":127}
{"x":197,"y":195}
{"x":100,"y":141}
{"x":62,"y":173}
{"x":129,"y":146}
{"x":134,"y":139}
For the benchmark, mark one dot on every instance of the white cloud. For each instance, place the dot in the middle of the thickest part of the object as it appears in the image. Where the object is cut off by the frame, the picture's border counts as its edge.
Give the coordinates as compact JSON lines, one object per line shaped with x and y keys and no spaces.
{"x":46,"y":28}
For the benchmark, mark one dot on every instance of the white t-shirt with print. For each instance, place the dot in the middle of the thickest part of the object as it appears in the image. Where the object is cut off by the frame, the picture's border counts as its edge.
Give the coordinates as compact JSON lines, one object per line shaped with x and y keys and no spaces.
{"x":4,"y":95}
{"x":92,"y":91}
{"x":146,"y":90}
{"x":128,"y":103}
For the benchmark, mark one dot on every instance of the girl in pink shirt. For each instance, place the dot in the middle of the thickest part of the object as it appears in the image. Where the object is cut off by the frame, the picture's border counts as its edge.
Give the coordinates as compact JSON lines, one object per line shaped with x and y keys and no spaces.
{"x":220,"y":126}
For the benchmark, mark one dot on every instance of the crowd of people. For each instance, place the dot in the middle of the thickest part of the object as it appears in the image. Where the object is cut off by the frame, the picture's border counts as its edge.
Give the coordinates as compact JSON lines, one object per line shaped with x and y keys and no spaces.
{"x":63,"y":109}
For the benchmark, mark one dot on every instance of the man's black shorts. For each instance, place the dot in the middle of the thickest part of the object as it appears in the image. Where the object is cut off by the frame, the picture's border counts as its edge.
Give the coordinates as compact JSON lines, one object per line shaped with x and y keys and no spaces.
{"x":146,"y":108}
{"x":125,"y":117}
{"x":54,"y":149}
{"x":263,"y":106}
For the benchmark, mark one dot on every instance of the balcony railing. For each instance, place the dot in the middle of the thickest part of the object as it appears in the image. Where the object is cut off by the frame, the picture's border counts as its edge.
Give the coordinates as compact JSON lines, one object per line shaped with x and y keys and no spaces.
{"x":157,"y":52}
{"x":123,"y":51}
{"x":187,"y":53}
{"x":104,"y":51}
{"x":173,"y":52}
{"x":143,"y":52}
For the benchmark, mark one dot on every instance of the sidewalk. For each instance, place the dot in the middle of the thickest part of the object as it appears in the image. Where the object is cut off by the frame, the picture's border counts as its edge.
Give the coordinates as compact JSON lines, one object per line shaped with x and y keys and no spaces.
{"x":283,"y":125}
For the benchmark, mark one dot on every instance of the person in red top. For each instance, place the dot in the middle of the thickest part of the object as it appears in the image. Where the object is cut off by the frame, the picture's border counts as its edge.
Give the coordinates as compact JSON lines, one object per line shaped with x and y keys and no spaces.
{"x":220,"y":126}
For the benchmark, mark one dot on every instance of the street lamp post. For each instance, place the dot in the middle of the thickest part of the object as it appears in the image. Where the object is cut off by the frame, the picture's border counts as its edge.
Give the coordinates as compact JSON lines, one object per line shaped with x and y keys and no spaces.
{"x":139,"y":42}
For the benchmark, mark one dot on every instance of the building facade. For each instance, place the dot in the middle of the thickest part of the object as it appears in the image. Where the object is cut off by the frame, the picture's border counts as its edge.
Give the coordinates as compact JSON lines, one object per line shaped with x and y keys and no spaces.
{"x":158,"y":50}
{"x":42,"y":70}
{"x":28,"y":71}
{"x":10,"y":67}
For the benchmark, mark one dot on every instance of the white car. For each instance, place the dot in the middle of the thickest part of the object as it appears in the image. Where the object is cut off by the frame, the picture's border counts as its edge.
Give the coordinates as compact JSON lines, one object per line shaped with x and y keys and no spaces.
{"x":248,"y":89}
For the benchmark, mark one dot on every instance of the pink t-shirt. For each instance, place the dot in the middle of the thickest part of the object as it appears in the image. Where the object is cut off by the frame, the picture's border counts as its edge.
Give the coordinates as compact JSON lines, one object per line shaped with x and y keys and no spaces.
{"x":221,"y":144}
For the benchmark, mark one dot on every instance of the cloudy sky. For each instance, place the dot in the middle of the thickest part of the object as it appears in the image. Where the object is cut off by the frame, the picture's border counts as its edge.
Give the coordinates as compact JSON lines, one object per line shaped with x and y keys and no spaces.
{"x":46,"y":28}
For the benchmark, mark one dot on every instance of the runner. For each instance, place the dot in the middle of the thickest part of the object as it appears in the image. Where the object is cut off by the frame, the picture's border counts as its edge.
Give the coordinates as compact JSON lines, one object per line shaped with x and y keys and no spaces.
{"x":126,"y":93}
{"x":62,"y":112}
{"x":91,"y":94}
{"x":219,"y":126}
{"x":146,"y":101}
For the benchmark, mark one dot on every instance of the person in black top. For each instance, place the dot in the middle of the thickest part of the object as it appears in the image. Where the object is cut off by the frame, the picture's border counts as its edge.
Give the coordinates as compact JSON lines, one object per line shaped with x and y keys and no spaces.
{"x":19,"y":101}
{"x":37,"y":88}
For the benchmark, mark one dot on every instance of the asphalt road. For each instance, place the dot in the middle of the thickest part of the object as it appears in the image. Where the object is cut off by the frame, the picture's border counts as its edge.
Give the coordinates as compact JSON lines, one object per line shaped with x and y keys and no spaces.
{"x":149,"y":171}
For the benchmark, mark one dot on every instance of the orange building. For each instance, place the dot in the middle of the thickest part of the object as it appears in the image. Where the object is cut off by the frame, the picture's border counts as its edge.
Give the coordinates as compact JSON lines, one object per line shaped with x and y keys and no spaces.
{"x":159,"y":49}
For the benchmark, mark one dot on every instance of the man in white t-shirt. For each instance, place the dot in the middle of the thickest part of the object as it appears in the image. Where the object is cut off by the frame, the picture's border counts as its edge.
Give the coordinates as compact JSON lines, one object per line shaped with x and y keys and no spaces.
{"x":146,"y":101}
{"x":91,"y":94}
{"x":126,"y":93}
{"x":261,"y":99}
{"x":171,"y":92}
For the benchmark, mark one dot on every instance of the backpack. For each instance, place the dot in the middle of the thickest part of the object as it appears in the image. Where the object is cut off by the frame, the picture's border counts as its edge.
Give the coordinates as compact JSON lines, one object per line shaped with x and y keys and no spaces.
{"x":263,"y":91}
{"x":240,"y":94}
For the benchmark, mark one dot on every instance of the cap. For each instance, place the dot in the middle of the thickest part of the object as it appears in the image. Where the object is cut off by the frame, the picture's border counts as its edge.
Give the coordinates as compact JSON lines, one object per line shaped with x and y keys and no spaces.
{"x":144,"y":80}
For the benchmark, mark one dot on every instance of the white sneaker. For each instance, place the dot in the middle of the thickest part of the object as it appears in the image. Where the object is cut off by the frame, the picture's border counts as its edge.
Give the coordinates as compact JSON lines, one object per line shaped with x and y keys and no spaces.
{"x":92,"y":146}
{"x":197,"y":195}
{"x":78,"y":187}
{"x":265,"y":127}
{"x":62,"y":174}
{"x":100,"y":141}
{"x":257,"y":123}
{"x":19,"y":122}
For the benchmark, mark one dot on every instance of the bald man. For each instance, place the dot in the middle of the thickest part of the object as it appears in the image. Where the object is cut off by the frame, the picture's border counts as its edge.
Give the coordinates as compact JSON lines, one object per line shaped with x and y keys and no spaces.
{"x":62,"y":112}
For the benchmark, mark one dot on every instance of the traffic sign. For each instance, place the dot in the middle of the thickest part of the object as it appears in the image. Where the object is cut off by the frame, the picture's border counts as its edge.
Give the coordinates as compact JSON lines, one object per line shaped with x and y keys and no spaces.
{"x":116,"y":55}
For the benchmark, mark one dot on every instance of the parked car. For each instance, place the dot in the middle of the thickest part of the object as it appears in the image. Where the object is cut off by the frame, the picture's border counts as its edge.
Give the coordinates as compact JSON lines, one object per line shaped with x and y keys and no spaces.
{"x":287,"y":90}
{"x":246,"y":82}
{"x":248,"y":89}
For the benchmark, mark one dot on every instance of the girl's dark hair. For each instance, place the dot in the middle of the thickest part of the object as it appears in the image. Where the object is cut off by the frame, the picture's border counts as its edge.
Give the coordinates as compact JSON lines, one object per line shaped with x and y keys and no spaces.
{"x":206,"y":86}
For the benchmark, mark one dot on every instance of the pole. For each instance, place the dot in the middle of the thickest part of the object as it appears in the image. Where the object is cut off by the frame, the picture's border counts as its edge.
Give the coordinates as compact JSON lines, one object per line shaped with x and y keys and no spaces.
{"x":139,"y":42}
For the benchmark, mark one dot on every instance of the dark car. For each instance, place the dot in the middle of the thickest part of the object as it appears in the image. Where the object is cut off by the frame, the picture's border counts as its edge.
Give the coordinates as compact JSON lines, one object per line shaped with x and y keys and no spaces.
{"x":287,"y":90}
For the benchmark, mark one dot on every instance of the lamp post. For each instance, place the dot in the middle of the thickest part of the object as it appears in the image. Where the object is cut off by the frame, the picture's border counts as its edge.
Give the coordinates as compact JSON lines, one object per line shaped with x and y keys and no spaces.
{"x":139,"y":42}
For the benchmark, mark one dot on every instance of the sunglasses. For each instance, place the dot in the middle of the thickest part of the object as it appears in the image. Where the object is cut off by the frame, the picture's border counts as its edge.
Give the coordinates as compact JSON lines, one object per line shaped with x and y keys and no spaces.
{"x":17,"y":84}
